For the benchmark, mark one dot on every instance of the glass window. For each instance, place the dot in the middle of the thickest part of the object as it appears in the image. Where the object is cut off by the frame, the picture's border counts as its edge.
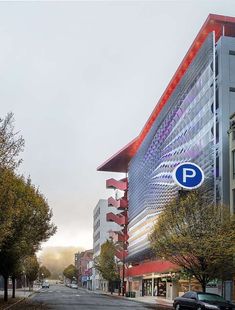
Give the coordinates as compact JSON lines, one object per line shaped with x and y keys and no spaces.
{"x":217,"y":98}
{"x":233,"y":163}
{"x":193,"y":295}
{"x":233,"y":134}
{"x":217,"y":166}
{"x":216,"y":65}
{"x":187,"y":295}
{"x":217,"y":132}
{"x":233,"y":201}
{"x":210,"y":297}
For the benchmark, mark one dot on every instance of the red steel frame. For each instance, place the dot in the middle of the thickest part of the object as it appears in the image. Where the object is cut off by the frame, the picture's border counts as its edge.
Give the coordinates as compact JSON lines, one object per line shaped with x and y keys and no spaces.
{"x":221,"y":25}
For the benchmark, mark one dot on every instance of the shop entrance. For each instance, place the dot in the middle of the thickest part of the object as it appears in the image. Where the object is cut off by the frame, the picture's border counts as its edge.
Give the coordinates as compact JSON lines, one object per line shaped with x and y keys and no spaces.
{"x":147,"y":287}
{"x":160,"y":287}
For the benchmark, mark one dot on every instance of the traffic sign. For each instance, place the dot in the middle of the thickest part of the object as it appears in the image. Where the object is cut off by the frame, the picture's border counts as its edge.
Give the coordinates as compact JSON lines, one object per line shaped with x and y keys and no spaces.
{"x":188,"y":175}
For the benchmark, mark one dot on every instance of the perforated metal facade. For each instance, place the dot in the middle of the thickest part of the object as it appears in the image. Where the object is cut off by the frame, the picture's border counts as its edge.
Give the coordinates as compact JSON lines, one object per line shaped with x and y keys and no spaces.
{"x":184,"y":131}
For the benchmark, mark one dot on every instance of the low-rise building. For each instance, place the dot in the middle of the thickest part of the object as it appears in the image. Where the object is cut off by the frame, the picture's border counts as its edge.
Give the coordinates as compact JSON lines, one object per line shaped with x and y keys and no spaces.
{"x":81,"y":261}
{"x":231,"y":133}
{"x":101,"y":229}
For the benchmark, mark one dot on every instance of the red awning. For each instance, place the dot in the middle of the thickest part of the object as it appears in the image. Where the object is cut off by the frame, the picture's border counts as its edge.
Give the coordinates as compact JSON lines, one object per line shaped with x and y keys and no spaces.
{"x":151,"y":267}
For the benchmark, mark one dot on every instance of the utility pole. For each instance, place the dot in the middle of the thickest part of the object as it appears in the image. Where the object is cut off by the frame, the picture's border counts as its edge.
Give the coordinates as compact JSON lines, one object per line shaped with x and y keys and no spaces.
{"x":123,"y":270}
{"x":124,"y":259}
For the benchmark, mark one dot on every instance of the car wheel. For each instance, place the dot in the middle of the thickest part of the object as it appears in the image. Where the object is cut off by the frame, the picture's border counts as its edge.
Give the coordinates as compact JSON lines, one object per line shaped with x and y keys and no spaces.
{"x":177,"y":307}
{"x":199,"y":308}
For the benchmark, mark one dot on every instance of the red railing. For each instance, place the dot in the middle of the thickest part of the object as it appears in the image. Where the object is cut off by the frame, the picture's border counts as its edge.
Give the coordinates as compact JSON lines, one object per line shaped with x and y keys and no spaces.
{"x":118,"y":203}
{"x":120,"y":219}
{"x":115,"y":184}
{"x":121,"y":255}
{"x":118,"y":236}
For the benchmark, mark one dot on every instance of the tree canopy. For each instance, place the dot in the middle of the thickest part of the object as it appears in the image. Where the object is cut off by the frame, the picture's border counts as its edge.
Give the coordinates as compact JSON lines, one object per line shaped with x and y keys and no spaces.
{"x":25,"y":221}
{"x":11,"y":143}
{"x":70,"y":272}
{"x":106,"y":263}
{"x":196,"y":235}
{"x":44,"y":272}
{"x":31,"y":268}
{"x":25,"y":216}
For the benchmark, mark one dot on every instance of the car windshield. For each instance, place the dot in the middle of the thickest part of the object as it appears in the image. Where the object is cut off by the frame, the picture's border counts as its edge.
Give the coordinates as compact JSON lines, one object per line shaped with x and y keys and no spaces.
{"x":210,"y":297}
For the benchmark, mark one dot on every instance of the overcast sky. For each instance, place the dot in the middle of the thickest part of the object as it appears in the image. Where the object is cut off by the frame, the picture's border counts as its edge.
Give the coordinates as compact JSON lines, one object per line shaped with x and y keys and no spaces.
{"x":81,"y":79}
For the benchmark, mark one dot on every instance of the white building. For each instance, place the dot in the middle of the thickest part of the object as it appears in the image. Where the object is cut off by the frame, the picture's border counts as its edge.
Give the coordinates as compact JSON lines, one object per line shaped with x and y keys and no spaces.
{"x":232,"y":162}
{"x":101,"y":230}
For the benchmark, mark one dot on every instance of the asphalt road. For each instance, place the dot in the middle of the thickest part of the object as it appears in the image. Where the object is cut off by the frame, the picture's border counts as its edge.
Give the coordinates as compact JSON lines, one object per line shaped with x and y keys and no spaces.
{"x":61,"y":297}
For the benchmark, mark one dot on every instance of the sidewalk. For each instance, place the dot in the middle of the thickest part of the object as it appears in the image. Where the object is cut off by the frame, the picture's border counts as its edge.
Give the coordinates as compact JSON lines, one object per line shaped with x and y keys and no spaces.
{"x":21,"y":292}
{"x":153,"y":300}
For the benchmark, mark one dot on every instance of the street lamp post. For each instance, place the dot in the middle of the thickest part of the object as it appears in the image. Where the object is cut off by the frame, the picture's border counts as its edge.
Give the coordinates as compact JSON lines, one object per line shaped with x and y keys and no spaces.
{"x":123,"y":269}
{"x":123,"y":277}
{"x":24,"y":276}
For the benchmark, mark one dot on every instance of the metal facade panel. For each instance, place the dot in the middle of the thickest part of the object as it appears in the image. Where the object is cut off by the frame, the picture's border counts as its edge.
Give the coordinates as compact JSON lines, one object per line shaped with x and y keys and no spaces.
{"x":220,"y":25}
{"x":184,"y":131}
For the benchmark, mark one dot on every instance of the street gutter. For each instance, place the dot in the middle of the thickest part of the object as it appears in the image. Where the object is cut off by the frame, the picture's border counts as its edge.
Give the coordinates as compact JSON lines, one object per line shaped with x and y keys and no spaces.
{"x":18,"y":301}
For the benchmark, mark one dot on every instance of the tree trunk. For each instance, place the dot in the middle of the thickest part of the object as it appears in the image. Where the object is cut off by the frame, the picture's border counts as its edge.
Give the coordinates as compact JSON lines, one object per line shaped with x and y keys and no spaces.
{"x":203,"y":284}
{"x":5,"y":288}
{"x":204,"y":287}
{"x":13,"y":287}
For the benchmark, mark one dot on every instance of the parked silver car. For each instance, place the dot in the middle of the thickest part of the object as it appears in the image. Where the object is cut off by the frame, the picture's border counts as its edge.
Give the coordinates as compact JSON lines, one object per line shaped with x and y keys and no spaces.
{"x":74,"y":285}
{"x":45,"y":284}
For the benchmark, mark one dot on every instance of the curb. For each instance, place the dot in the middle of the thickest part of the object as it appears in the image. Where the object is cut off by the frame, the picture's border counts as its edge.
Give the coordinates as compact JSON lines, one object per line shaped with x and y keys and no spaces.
{"x":17,"y":302}
{"x":141,"y":301}
{"x":31,"y":294}
{"x":130,"y":299}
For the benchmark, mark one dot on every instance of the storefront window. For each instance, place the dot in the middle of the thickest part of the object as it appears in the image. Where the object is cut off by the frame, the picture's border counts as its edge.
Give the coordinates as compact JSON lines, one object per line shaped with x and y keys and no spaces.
{"x":147,"y":287}
{"x":160,"y":287}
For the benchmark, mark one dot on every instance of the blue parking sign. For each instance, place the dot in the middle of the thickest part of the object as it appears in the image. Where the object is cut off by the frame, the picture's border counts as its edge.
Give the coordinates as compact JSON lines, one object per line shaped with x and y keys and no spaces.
{"x":188,"y":175}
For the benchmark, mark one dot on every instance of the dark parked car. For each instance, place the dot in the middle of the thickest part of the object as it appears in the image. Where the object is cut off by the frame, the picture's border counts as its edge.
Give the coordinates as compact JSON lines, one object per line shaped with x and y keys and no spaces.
{"x":202,"y":301}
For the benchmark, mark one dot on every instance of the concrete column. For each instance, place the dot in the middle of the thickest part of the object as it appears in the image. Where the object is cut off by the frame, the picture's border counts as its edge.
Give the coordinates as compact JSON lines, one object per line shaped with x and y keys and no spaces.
{"x":152,"y":283}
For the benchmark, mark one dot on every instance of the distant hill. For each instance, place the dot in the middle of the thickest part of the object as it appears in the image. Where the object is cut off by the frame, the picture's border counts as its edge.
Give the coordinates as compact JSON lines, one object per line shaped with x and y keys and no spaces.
{"x":57,"y":258}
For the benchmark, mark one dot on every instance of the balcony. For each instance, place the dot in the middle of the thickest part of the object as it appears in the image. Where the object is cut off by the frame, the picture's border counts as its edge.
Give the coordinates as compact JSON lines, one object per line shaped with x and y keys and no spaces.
{"x":121,"y":254}
{"x":118,"y":236}
{"x":120,"y":204}
{"x":120,"y":219}
{"x":115,"y":184}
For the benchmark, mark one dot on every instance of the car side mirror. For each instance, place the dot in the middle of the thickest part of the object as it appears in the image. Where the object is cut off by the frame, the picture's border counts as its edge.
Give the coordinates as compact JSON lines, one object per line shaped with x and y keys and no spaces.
{"x":194,"y":298}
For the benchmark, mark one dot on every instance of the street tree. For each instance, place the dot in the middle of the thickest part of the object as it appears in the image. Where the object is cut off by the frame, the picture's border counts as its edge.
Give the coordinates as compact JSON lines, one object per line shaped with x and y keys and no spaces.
{"x":31,"y":269}
{"x":106,"y":263}
{"x":28,"y":220}
{"x":11,"y":143}
{"x":44,"y":273}
{"x":11,"y":189}
{"x":196,"y":235}
{"x":8,"y":184}
{"x":25,"y":217}
{"x":70,"y":272}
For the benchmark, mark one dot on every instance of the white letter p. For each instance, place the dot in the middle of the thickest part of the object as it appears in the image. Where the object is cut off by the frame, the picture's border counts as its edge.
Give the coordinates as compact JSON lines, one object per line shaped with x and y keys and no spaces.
{"x":188,"y":173}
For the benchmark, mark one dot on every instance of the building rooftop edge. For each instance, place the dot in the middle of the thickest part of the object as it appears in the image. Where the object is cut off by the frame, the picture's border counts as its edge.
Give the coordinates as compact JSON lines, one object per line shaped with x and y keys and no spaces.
{"x":120,"y":160}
